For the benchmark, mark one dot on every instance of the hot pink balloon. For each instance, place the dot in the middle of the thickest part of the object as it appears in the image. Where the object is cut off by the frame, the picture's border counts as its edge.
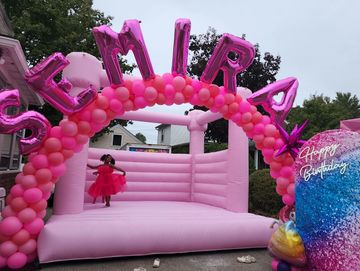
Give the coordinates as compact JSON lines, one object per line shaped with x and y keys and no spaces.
{"x":41,"y":79}
{"x":34,"y":121}
{"x":265,"y":97}
{"x":111,"y":43}
{"x":181,"y":46}
{"x":221,"y":61}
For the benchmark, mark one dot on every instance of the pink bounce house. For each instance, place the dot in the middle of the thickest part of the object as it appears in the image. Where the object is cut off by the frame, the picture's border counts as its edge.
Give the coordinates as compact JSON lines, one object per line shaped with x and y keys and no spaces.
{"x":173,"y":203}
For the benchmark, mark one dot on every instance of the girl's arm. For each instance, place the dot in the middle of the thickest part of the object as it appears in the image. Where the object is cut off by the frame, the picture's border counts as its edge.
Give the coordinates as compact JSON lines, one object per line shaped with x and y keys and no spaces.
{"x":119,"y":169}
{"x":92,"y":167}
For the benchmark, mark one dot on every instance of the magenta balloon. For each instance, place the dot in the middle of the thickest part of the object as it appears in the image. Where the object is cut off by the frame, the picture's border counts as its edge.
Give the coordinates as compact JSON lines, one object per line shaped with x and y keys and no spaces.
{"x":41,"y":79}
{"x":220,"y":60}
{"x":181,"y":46}
{"x":110,"y":44}
{"x":34,"y":121}
{"x":10,"y":225}
{"x":265,"y":97}
{"x":17,"y":260}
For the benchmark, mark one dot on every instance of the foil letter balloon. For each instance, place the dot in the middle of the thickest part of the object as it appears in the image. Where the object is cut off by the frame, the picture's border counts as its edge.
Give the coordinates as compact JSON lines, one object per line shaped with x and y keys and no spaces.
{"x":41,"y":79}
{"x":34,"y":121}
{"x":265,"y":97}
{"x":181,"y":46}
{"x":130,"y":38}
{"x":231,"y":67}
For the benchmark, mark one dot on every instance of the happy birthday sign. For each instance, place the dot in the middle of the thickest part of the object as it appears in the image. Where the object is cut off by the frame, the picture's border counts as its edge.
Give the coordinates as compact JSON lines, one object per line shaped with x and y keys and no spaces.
{"x":327,"y":200}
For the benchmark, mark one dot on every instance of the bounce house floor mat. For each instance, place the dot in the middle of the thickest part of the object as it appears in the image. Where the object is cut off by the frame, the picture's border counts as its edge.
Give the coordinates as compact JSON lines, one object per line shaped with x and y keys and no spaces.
{"x":130,"y":228}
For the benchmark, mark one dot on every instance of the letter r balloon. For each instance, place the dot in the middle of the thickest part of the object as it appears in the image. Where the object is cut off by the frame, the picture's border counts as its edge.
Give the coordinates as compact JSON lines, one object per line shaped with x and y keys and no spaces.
{"x":34,"y":121}
{"x":220,"y":60}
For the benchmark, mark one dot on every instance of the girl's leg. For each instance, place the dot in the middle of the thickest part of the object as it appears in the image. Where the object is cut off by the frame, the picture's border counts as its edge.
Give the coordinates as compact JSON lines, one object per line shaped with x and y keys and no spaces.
{"x":107,"y":199}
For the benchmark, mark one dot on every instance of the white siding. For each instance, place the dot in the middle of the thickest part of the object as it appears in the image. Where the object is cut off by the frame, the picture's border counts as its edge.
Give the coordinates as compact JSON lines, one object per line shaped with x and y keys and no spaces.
{"x":179,"y":135}
{"x":106,"y":141}
{"x":173,"y":135}
{"x":166,"y":130}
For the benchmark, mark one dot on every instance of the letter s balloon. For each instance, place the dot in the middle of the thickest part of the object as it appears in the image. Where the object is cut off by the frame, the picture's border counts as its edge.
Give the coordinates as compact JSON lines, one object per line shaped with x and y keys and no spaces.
{"x":31,"y":120}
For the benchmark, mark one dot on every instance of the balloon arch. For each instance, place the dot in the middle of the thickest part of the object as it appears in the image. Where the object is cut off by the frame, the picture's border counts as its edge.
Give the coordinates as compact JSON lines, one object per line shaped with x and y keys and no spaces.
{"x":88,"y":112}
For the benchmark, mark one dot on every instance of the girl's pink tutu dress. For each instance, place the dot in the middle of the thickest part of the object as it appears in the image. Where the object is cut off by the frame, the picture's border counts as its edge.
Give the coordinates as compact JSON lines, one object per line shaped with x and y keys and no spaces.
{"x":107,"y":183}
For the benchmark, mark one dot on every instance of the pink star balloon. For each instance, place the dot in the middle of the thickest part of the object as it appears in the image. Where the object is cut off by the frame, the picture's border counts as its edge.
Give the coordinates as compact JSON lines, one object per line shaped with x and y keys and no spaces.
{"x":292,"y":142}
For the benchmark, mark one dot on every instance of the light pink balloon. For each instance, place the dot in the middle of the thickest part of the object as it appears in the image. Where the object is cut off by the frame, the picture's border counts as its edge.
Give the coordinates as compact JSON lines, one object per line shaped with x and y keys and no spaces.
{"x":68,"y":142}
{"x":219,"y":100}
{"x":40,"y":161}
{"x":28,"y":247}
{"x":116,"y":106}
{"x":179,"y":83}
{"x":140,"y":102}
{"x":99,"y":116}
{"x":34,"y":121}
{"x":10,"y":225}
{"x":288,"y":200}
{"x":59,"y":170}
{"x":21,"y":237}
{"x":150,"y":94}
{"x":17,"y":190}
{"x":41,"y":79}
{"x":122,"y":93}
{"x":168,"y":78}
{"x":181,"y":46}
{"x":52,"y":144}
{"x":56,"y":158}
{"x":8,"y":248}
{"x":34,"y":227}
{"x":7,"y":212}
{"x":68,"y":128}
{"x":179,"y":98}
{"x":26,"y":215}
{"x":221,"y":61}
{"x":17,"y":260}
{"x":169,"y":91}
{"x":32,"y":195}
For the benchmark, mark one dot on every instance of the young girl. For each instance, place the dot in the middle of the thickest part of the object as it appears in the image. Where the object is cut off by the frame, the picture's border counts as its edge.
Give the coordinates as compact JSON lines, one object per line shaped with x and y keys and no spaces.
{"x":107,"y":183}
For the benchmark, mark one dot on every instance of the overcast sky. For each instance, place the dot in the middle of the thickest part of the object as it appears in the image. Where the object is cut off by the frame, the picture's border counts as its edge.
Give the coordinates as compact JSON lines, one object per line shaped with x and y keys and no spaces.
{"x":318,"y":41}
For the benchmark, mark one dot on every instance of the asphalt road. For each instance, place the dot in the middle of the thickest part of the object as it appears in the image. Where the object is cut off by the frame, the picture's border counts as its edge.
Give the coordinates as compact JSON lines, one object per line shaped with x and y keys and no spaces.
{"x":210,"y":261}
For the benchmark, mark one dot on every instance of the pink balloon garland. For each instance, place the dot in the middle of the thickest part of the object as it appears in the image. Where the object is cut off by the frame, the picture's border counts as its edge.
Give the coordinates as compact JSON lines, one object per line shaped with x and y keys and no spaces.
{"x":27,"y":201}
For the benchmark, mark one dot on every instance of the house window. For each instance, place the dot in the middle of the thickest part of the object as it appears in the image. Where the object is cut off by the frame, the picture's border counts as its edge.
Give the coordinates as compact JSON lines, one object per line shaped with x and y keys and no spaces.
{"x":117,"y":140}
{"x":162,"y":136}
{"x":9,"y":146}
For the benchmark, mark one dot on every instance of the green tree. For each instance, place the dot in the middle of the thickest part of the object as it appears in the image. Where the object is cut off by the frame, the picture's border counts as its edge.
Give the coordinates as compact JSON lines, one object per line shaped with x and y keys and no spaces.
{"x":141,"y":137}
{"x":324,"y":113}
{"x":260,"y":73}
{"x":47,"y":26}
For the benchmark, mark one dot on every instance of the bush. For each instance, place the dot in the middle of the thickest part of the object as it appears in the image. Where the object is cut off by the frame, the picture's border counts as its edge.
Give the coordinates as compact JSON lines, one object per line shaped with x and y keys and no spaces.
{"x":263,"y":199}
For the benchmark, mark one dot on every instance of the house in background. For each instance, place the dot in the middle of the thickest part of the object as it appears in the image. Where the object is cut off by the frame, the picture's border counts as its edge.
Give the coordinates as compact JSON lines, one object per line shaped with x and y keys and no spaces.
{"x":115,"y":140}
{"x":12,"y":69}
{"x":173,"y":135}
{"x":123,"y":139}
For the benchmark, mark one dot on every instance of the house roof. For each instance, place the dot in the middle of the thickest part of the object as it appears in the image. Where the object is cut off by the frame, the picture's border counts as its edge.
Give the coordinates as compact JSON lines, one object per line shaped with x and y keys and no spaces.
{"x":12,"y":69}
{"x":162,"y":126}
{"x":127,"y":132}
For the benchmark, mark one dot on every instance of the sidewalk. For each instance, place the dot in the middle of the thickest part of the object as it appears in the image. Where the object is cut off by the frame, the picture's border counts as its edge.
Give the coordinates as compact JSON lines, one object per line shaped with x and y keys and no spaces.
{"x":210,"y":261}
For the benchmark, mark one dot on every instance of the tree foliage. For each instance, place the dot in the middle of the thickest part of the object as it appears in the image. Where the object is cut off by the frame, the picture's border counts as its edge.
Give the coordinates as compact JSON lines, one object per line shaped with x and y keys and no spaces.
{"x":141,"y":137}
{"x":260,"y":73}
{"x":47,"y":26}
{"x":324,"y":113}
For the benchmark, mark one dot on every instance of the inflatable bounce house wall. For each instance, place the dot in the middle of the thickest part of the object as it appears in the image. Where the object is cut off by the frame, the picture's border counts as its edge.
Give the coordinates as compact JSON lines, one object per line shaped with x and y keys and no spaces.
{"x":173,"y":202}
